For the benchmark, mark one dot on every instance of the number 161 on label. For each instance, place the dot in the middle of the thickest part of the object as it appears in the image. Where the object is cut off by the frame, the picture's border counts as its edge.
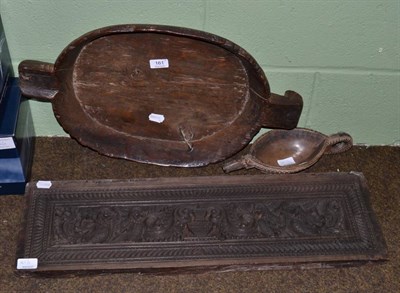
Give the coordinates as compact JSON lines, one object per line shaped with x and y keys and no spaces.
{"x":159,"y":63}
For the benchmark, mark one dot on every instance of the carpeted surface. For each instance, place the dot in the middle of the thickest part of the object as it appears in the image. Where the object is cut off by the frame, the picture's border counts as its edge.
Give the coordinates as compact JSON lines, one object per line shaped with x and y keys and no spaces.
{"x":64,"y":159}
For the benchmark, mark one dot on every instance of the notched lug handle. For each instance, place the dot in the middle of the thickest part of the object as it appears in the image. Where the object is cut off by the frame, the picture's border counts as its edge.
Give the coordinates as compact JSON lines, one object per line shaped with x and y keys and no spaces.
{"x":338,"y":143}
{"x":37,"y":80}
{"x":283,"y":111}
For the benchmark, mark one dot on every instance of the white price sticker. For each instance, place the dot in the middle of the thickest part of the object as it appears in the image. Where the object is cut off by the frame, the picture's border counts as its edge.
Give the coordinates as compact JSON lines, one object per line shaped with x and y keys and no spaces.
{"x":159,"y":118}
{"x":27,"y":263}
{"x":159,"y":63}
{"x":286,"y":162}
{"x":6,"y":143}
{"x":43,"y":184}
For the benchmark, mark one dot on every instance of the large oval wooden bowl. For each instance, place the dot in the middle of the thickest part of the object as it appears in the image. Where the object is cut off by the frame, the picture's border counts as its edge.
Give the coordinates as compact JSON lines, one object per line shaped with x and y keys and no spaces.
{"x":204,"y":106}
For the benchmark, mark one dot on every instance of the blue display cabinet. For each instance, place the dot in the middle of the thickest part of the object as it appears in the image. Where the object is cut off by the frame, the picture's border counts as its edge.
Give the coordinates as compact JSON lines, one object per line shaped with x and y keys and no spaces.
{"x":16,"y":128}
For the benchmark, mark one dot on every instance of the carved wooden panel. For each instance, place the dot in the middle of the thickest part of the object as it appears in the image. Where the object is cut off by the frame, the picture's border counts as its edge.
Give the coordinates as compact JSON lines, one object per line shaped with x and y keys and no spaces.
{"x":225,"y":222}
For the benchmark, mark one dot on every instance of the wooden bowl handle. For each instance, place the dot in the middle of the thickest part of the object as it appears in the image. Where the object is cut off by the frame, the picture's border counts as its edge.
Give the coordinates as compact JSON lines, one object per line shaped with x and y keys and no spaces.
{"x":282,"y":111}
{"x":37,"y":80}
{"x":338,"y":143}
{"x":233,"y":165}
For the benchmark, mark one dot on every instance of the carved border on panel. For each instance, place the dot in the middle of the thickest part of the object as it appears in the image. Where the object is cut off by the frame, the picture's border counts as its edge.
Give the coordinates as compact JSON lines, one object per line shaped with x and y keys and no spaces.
{"x":272,"y":220}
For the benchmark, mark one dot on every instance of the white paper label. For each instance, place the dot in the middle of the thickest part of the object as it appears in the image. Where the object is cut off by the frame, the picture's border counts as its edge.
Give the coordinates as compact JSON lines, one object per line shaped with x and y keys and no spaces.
{"x":43,"y":184}
{"x":286,"y":162}
{"x":159,"y":118}
{"x":159,"y":63}
{"x":27,"y":263}
{"x":6,"y":143}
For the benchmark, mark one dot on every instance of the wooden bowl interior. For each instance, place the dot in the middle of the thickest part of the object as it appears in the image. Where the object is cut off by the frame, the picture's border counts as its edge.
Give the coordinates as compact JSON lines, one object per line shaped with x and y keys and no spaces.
{"x":202,"y":91}
{"x":288,"y":148}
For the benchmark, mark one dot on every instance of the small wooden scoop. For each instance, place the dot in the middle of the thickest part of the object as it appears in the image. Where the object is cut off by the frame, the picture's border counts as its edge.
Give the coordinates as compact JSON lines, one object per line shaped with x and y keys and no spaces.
{"x":290,"y":151}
